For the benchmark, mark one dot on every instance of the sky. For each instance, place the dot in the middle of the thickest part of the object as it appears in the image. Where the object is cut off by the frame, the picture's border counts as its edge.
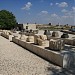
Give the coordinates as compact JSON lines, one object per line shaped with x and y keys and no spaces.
{"x":41,"y":11}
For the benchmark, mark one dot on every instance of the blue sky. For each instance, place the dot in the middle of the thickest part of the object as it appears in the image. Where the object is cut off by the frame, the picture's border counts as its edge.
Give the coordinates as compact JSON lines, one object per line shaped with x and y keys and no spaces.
{"x":41,"y":11}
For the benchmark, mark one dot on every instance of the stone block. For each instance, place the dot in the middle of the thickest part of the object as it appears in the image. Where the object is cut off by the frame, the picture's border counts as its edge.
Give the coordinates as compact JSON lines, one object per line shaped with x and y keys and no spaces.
{"x":43,"y":37}
{"x":15,"y":40}
{"x":30,"y":39}
{"x":35,"y":38}
{"x":56,"y":44}
{"x":23,"y":37}
{"x":50,"y":55}
{"x":22,"y":43}
{"x":68,"y":41}
{"x":41,"y":42}
{"x":55,"y":34}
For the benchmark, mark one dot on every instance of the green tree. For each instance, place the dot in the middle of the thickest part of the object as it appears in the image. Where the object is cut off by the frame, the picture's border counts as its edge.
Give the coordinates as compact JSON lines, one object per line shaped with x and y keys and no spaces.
{"x":7,"y":20}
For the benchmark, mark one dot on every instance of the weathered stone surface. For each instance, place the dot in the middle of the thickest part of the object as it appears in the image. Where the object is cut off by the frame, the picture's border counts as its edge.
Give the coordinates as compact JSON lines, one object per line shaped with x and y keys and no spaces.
{"x":23,"y":37}
{"x":56,"y":44}
{"x":68,"y":41}
{"x":7,"y":35}
{"x":55,"y":34}
{"x":22,"y":43}
{"x":64,"y":35}
{"x":35,"y":38}
{"x":40,"y":38}
{"x":43,"y":37}
{"x":30,"y":39}
{"x":15,"y":40}
{"x":41,"y":42}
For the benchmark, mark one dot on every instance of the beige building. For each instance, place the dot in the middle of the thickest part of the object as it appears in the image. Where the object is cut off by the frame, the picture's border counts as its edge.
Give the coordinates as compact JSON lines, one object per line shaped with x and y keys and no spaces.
{"x":29,"y":26}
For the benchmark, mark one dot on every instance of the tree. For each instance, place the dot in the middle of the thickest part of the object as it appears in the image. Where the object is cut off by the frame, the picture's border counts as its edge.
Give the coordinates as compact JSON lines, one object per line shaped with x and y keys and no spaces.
{"x":7,"y":20}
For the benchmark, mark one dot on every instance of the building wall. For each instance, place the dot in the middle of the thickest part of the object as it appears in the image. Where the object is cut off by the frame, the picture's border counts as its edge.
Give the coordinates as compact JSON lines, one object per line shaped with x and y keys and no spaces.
{"x":20,"y":26}
{"x":30,"y":26}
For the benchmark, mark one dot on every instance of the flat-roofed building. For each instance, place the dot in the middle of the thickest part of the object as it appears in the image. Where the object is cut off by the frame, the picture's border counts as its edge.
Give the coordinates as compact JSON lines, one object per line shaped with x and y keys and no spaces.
{"x":27,"y":26}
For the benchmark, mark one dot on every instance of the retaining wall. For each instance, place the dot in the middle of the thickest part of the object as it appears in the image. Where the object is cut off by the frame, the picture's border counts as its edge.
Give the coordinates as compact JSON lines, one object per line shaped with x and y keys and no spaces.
{"x":63,"y":58}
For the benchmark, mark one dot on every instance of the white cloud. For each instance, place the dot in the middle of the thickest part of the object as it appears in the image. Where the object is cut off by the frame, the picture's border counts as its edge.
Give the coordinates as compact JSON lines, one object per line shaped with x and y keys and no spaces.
{"x":64,"y":10}
{"x":56,"y":3}
{"x":44,"y":12}
{"x":51,"y":4}
{"x":62,"y":4}
{"x":27,"y":6}
{"x":54,"y":15}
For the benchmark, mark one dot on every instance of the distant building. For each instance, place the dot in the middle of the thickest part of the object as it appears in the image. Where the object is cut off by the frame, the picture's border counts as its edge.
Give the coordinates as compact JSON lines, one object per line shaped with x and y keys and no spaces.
{"x":26,"y":26}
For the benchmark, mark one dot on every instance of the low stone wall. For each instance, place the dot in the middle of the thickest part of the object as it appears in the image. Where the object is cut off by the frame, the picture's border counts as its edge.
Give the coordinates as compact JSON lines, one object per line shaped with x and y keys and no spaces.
{"x":15,"y":40}
{"x":63,"y":58}
{"x":1,"y":32}
{"x":7,"y":36}
{"x":68,"y":41}
{"x":69,"y":32}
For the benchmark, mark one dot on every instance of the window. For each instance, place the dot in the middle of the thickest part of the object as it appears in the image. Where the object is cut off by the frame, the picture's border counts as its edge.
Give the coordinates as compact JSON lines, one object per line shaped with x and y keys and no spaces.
{"x":26,"y":27}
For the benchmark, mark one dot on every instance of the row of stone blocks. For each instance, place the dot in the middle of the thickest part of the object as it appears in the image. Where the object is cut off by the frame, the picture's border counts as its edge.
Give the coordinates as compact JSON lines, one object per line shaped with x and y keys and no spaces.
{"x":7,"y":36}
{"x":69,"y":32}
{"x":64,"y":59}
{"x":67,"y":41}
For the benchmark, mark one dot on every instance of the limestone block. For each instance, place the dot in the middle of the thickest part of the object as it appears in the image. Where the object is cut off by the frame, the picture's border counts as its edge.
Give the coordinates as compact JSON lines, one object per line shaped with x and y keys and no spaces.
{"x":43,"y":37}
{"x":55,"y":34}
{"x":41,"y":42}
{"x":48,"y":37}
{"x":35,"y":38}
{"x":23,"y":37}
{"x":68,"y":41}
{"x":7,"y":33}
{"x":35,"y":49}
{"x":15,"y":40}
{"x":29,"y":46}
{"x":64,"y":35}
{"x":22,"y":43}
{"x":48,"y":54}
{"x":17,"y":36}
{"x":10,"y":37}
{"x":10,"y":33}
{"x":56,"y":44}
{"x":30,"y":39}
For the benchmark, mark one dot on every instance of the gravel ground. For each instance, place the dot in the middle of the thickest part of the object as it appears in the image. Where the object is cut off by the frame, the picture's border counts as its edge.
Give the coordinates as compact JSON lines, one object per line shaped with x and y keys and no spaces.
{"x":15,"y":60}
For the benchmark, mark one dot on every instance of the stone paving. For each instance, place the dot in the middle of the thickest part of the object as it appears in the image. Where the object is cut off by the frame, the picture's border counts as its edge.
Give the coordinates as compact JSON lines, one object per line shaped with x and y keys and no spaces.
{"x":15,"y":60}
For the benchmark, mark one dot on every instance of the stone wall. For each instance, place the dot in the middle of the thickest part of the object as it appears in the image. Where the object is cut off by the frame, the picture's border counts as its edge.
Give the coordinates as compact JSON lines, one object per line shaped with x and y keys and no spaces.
{"x":59,"y":58}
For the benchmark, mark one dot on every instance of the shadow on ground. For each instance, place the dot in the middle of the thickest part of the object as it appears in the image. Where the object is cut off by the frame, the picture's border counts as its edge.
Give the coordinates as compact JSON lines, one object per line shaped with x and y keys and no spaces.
{"x":62,"y":71}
